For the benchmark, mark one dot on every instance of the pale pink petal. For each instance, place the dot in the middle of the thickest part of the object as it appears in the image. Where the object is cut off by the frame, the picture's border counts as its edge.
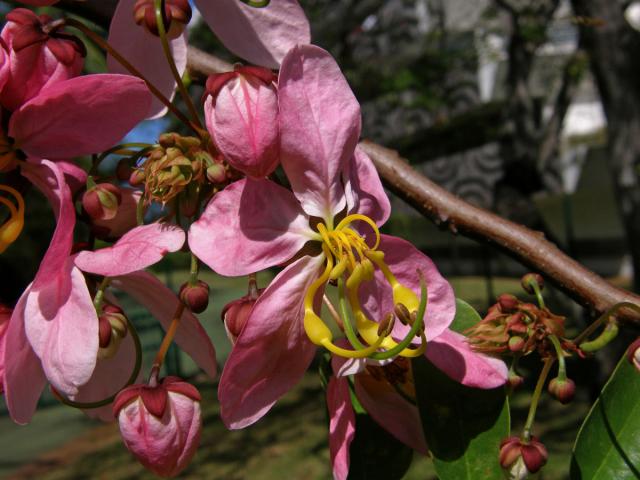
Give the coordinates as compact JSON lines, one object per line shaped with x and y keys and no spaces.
{"x":144,"y":51}
{"x":49,"y":179}
{"x":162,"y":303}
{"x":62,"y":327}
{"x":272,"y":352}
{"x":451,"y":353}
{"x":80,"y":116}
{"x":249,"y":226}
{"x":109,"y":377}
{"x":319,"y":128}
{"x":342,"y":425}
{"x":24,"y":379}
{"x":124,"y":220}
{"x":404,"y":260}
{"x":392,"y":412}
{"x":136,"y":250}
{"x":260,"y":35}
{"x":364,"y":191}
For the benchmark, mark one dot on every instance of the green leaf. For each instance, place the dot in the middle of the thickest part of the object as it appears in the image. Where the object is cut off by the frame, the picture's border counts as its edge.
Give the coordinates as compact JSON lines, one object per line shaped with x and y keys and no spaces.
{"x":466,"y":317}
{"x":376,"y":454}
{"x":608,"y":444}
{"x":463,"y":426}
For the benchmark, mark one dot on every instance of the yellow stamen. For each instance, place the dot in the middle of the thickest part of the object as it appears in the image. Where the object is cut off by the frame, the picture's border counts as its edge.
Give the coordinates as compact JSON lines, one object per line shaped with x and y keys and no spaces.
{"x":12,"y":228}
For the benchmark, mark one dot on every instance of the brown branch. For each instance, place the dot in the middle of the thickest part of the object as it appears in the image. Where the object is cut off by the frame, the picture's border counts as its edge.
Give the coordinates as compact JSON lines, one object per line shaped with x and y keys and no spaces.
{"x":527,"y":246}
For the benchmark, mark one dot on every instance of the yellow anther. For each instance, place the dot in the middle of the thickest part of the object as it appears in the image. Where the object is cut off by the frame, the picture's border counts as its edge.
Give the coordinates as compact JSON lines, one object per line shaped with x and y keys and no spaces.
{"x":12,"y":228}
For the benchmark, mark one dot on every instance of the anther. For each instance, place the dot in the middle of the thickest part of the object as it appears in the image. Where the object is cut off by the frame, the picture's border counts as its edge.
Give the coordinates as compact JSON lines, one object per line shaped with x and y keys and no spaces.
{"x":403,"y":314}
{"x":386,"y":325}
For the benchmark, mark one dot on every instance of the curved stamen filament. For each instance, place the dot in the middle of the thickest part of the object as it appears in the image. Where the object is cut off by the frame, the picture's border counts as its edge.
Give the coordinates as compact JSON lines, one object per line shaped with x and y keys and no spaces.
{"x":346,"y":221}
{"x":12,"y":228}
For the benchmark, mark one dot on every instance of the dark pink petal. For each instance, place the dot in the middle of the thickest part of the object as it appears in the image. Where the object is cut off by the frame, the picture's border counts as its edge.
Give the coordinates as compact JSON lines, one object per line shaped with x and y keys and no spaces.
{"x":136,"y":250}
{"x":392,"y":412}
{"x":144,"y":51}
{"x":154,"y":399}
{"x":24,"y":379}
{"x":177,"y":385}
{"x":404,"y":260}
{"x":364,"y":190}
{"x":50,"y":180}
{"x":75,"y":176}
{"x":109,"y":377}
{"x":62,"y":327}
{"x":319,"y":128}
{"x":260,"y":35}
{"x":162,"y":303}
{"x":272,"y":352}
{"x":452,"y":354}
{"x":342,"y":425}
{"x":249,"y":226}
{"x":80,"y":116}
{"x":4,"y":66}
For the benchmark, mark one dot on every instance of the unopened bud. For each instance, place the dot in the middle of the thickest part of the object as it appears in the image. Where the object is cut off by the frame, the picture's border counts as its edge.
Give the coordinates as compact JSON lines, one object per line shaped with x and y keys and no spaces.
{"x":562,"y":390}
{"x":112,"y":328}
{"x":177,"y":14}
{"x":515,"y":452}
{"x":196,"y":297}
{"x":508,"y":303}
{"x":137,"y":177}
{"x":101,"y":202}
{"x":634,"y":354}
{"x":235,"y":314}
{"x":161,"y":424}
{"x":531,"y":279}
{"x":514,"y":380}
{"x":216,"y":173}
{"x":516,"y":343}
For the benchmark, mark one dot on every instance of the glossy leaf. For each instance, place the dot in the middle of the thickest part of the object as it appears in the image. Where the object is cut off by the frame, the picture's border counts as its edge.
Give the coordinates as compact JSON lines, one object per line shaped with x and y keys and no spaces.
{"x":463,"y":426}
{"x":608,"y":444}
{"x":466,"y":317}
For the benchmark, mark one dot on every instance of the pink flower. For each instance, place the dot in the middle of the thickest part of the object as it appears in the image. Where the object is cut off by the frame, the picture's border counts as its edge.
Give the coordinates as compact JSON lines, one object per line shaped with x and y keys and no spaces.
{"x":160,"y":424}
{"x":377,"y":389}
{"x":40,"y":54}
{"x":259,"y":224}
{"x":241,"y":111}
{"x":259,"y":35}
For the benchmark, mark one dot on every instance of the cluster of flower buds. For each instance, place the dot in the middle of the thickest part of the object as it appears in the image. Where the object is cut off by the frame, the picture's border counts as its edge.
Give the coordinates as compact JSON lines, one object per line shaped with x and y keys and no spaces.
{"x":112,"y":328}
{"x":176,"y":16}
{"x":176,"y":167}
{"x":520,"y":458}
{"x":513,"y":326}
{"x":160,"y":423}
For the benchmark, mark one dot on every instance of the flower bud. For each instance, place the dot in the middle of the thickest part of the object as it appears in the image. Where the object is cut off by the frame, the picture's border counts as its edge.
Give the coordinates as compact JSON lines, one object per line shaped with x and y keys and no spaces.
{"x":196,"y":297}
{"x":235,"y":313}
{"x":137,"y":177}
{"x":514,"y":381}
{"x":102,"y":201}
{"x":124,"y":220}
{"x":516,"y":343}
{"x":161,"y":424}
{"x":216,"y":173}
{"x":515,"y":452}
{"x":177,"y":14}
{"x":242,"y":116}
{"x":40,"y":52}
{"x":508,"y":303}
{"x":112,"y":328}
{"x":562,"y":390}
{"x":5,"y":315}
{"x":529,"y":280}
{"x":634,"y":354}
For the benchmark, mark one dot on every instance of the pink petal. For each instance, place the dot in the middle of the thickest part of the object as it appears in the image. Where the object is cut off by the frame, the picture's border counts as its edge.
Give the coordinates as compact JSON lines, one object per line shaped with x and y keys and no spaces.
{"x":451,"y":353}
{"x":144,"y":51}
{"x":260,"y":35}
{"x":109,"y":377}
{"x":62,"y":327}
{"x":75,"y":176}
{"x":364,"y":189}
{"x":243,"y":120}
{"x":404,"y":260}
{"x":249,"y":226}
{"x":24,"y":379}
{"x":80,"y":116}
{"x":342,"y":425}
{"x":319,"y":128}
{"x":136,"y":250}
{"x":162,"y":303}
{"x":392,"y":412}
{"x":272,"y":352}
{"x":49,"y":179}
{"x":5,"y":68}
